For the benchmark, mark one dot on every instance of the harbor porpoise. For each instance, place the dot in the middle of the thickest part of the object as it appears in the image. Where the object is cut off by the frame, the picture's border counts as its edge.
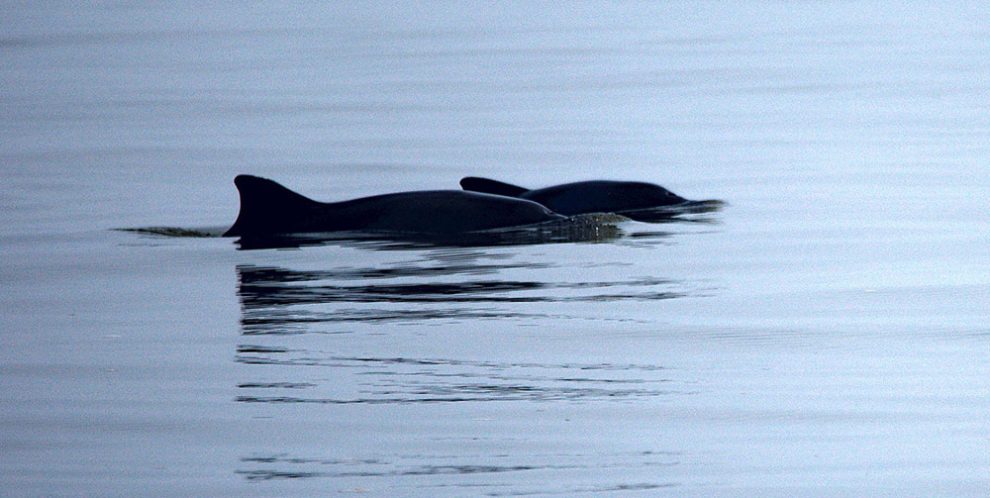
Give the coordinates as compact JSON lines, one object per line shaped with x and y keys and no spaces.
{"x":598,"y":196}
{"x":268,"y":208}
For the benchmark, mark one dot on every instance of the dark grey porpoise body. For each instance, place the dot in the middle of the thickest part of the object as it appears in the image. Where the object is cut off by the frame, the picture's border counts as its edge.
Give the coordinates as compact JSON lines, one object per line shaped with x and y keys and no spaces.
{"x":599,"y":196}
{"x":268,"y":208}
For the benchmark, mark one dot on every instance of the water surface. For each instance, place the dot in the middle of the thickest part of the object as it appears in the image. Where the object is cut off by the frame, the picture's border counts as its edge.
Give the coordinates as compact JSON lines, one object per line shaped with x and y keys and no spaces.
{"x":824,"y":333}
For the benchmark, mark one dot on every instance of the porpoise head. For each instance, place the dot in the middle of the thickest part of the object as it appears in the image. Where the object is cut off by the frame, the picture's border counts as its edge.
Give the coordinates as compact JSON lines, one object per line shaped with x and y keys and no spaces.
{"x":644,"y":195}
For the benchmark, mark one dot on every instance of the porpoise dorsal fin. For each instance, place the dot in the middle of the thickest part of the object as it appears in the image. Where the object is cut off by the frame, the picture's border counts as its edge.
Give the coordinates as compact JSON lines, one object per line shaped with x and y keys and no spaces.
{"x":268,"y":207}
{"x":487,"y":186}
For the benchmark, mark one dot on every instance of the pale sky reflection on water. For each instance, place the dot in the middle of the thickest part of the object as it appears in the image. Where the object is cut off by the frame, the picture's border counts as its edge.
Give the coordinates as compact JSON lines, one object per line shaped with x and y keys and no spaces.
{"x":824,"y":333}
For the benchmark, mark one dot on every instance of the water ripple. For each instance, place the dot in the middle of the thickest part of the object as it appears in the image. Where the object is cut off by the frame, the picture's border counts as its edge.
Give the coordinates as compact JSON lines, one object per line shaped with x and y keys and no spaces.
{"x":283,"y":466}
{"x":437,"y":380}
{"x":278,"y":301}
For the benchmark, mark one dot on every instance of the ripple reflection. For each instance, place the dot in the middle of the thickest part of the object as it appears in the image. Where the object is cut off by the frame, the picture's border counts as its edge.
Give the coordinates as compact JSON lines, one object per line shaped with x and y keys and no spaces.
{"x":278,"y":300}
{"x":265,"y":467}
{"x":403,"y":380}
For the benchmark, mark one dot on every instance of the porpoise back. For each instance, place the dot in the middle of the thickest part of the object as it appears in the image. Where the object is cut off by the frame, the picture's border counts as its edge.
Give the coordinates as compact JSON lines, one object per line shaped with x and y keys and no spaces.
{"x":268,"y":208}
{"x":596,"y":196}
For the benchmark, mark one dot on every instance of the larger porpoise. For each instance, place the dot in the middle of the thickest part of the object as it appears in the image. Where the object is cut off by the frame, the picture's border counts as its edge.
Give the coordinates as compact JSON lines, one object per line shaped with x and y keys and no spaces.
{"x":268,"y":208}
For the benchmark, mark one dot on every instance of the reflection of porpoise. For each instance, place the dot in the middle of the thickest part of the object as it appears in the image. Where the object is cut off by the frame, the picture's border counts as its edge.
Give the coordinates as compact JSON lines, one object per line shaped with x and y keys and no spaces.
{"x":599,"y":196}
{"x":268,"y":208}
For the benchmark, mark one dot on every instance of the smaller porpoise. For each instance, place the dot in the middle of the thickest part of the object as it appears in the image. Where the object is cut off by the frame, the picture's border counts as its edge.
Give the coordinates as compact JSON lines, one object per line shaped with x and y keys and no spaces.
{"x":598,"y":196}
{"x":268,"y":208}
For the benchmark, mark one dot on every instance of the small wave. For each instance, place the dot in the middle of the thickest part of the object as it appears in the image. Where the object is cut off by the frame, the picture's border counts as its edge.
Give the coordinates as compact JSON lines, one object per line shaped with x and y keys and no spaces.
{"x":178,"y":232}
{"x":685,"y":212}
{"x":585,"y":228}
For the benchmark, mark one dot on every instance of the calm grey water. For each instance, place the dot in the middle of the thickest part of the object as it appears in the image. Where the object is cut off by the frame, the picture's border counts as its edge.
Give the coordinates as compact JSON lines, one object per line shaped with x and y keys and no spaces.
{"x":825,"y":334}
